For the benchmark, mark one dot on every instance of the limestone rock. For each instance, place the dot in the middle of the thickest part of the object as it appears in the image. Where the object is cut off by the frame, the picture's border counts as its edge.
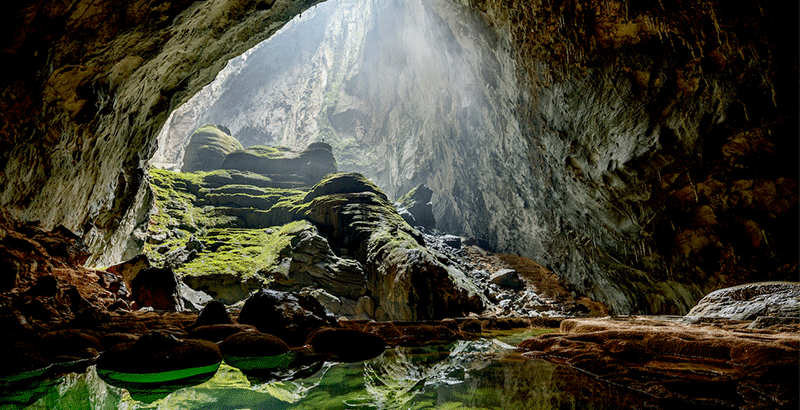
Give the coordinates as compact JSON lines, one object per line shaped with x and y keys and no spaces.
{"x":158,"y":288}
{"x":507,"y":278}
{"x":418,"y":203}
{"x":346,"y":345}
{"x":285,"y":315}
{"x":207,"y":148}
{"x":130,"y":268}
{"x":654,"y":357}
{"x":214,"y":313}
{"x":406,"y":281}
{"x":309,"y":166}
{"x":314,"y":263}
{"x":749,"y":301}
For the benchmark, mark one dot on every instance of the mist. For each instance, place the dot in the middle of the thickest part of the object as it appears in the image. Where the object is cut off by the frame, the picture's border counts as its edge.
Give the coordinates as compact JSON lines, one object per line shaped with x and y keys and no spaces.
{"x":398,"y":88}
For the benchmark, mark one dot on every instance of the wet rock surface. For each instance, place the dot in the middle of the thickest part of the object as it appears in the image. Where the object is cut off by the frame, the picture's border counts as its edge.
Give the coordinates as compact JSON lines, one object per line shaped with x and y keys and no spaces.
{"x":711,"y":366}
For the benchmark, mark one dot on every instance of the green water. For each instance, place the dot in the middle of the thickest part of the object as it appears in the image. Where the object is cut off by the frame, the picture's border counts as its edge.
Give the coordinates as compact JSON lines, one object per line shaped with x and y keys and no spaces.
{"x":479,"y":374}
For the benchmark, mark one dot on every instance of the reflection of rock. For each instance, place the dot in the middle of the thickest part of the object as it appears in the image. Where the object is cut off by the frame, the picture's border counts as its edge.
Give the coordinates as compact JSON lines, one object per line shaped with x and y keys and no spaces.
{"x":158,"y":364}
{"x":747,"y":302}
{"x":252,"y":344}
{"x":218,"y":333}
{"x":207,"y":148}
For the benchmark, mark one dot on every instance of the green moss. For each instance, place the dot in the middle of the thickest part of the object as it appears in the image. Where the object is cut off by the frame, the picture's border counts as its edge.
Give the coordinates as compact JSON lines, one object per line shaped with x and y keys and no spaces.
{"x":271,"y":152}
{"x":243,"y":253}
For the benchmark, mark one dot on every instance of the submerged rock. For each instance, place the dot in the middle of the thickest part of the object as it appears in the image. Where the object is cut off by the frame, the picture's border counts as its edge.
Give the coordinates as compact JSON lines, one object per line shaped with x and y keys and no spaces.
{"x":679,"y":365}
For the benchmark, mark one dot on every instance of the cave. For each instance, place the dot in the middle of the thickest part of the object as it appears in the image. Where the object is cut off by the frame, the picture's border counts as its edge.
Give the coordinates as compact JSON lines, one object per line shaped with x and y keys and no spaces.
{"x":644,"y":154}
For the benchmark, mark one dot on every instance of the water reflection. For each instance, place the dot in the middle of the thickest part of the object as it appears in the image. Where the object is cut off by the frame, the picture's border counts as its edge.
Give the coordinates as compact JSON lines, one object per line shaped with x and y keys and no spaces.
{"x":479,"y":374}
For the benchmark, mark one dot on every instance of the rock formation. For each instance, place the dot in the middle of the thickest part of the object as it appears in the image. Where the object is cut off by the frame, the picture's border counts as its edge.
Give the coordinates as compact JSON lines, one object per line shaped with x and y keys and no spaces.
{"x":418,"y":204}
{"x":208,"y":147}
{"x":637,"y":150}
{"x":751,"y":301}
{"x":631,"y":176}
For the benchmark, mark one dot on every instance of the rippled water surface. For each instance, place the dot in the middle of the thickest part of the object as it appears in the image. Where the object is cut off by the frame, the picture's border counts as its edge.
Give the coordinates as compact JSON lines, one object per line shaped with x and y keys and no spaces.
{"x":480,"y":374}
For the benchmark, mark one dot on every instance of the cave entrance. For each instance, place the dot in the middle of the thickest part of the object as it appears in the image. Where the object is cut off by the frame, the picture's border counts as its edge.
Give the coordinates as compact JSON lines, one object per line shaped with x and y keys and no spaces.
{"x":404,"y":91}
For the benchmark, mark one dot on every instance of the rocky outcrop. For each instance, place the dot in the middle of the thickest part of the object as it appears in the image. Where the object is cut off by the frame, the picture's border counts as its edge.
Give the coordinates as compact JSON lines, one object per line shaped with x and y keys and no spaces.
{"x":314,"y":264}
{"x":418,"y":203}
{"x":627,"y":147}
{"x":208,"y":147}
{"x":309,"y":166}
{"x":91,"y":85}
{"x":404,"y":278}
{"x":616,"y":144}
{"x":157,"y":288}
{"x":288,"y":316}
{"x":748,"y":302}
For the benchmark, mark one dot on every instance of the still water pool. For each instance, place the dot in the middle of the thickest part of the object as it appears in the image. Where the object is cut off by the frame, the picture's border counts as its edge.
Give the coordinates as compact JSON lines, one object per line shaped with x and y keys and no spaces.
{"x":486,"y":373}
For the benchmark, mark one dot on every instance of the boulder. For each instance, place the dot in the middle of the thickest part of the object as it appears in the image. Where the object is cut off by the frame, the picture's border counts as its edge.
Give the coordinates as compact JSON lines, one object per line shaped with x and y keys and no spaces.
{"x":208,"y":147}
{"x":252,"y":344}
{"x":418,"y":203}
{"x":130,"y":268}
{"x":157,"y":288}
{"x":346,"y":345}
{"x":507,"y":278}
{"x":218,"y":333}
{"x":749,"y":301}
{"x":214,"y":313}
{"x":285,"y":315}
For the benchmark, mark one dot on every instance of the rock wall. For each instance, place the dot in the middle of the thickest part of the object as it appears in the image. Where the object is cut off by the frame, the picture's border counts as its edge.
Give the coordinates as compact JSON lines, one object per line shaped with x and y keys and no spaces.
{"x":91,"y":83}
{"x":646,"y":152}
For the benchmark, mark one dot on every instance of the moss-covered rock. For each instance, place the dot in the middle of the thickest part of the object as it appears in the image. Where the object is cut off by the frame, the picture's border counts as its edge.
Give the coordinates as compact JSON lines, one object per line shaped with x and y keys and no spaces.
{"x":208,"y":147}
{"x":406,"y":280}
{"x":308,"y":166}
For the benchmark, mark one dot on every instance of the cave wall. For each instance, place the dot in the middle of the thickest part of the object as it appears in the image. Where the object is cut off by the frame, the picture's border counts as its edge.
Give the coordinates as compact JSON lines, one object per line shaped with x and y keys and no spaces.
{"x":651,"y":157}
{"x":91,"y":83}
